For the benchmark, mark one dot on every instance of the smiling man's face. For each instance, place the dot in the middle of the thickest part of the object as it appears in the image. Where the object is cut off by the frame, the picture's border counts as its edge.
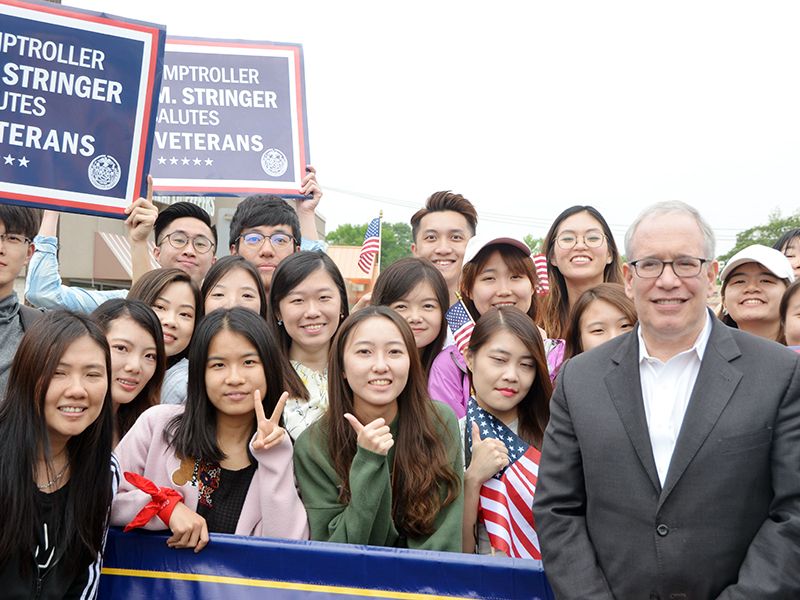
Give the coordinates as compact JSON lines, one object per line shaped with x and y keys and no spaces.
{"x":442,"y":239}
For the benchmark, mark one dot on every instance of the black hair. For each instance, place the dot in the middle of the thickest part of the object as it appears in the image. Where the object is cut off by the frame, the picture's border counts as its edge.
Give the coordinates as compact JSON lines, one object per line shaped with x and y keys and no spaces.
{"x":398,"y":280}
{"x":263,"y":211}
{"x":193,"y":433}
{"x":225,"y":265}
{"x":24,"y":438}
{"x":22,"y":220}
{"x":786,"y":239}
{"x":181,"y":210}
{"x":290,"y":273}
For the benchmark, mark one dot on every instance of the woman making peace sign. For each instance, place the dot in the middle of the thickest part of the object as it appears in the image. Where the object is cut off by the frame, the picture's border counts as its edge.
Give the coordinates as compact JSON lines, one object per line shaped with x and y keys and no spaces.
{"x":221,"y":465}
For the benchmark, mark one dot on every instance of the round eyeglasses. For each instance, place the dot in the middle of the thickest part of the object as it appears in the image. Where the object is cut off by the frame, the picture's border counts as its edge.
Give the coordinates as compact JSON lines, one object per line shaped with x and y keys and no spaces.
{"x":651,"y":268}
{"x":178,"y":239}
{"x":278,"y":241}
{"x":568,"y":241}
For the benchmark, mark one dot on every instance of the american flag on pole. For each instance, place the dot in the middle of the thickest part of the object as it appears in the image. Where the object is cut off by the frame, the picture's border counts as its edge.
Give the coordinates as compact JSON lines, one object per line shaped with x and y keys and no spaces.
{"x":507,"y":497}
{"x":460,"y":323}
{"x":371,"y":245}
{"x":543,"y":287}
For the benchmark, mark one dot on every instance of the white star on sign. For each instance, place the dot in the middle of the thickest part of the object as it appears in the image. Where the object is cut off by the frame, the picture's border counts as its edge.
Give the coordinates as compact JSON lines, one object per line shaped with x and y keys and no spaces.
{"x":185,"y":161}
{"x":209,"y":162}
{"x":162,"y":160}
{"x":9,"y":159}
{"x":197,"y":161}
{"x":173,"y":161}
{"x":23,"y":162}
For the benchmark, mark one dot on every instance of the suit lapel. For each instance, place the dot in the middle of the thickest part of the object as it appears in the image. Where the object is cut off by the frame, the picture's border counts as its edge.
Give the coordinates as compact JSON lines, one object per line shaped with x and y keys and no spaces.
{"x":715,"y":384}
{"x":625,"y":388}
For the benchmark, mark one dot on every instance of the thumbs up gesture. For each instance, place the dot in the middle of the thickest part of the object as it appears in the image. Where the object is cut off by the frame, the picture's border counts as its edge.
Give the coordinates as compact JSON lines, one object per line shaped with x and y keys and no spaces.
{"x":269,"y":432}
{"x":374,"y":436}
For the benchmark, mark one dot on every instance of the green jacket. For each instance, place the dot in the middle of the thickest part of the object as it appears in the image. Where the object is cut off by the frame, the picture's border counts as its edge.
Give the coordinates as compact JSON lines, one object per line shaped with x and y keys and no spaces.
{"x":368,"y":517}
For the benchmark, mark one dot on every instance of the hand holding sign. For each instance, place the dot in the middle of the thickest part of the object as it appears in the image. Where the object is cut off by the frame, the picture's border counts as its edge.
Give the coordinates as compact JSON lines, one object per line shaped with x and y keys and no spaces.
{"x":309,"y":187}
{"x":269,"y":433}
{"x":374,"y":436}
{"x":142,"y":215}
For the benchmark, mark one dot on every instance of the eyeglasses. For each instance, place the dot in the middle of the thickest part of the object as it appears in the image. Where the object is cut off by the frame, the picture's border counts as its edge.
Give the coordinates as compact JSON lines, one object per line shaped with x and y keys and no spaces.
{"x":178,"y":239}
{"x":14,"y":239}
{"x":278,"y":241}
{"x":651,"y":268}
{"x":570,"y":240}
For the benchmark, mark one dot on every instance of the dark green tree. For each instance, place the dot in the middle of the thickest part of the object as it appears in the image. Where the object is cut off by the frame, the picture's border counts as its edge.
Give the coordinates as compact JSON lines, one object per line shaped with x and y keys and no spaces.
{"x":395,"y":239}
{"x":764,"y":234}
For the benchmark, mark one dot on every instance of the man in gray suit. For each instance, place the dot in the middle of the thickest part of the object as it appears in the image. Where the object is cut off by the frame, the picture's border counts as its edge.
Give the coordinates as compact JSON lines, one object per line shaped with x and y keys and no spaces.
{"x":671,"y":464}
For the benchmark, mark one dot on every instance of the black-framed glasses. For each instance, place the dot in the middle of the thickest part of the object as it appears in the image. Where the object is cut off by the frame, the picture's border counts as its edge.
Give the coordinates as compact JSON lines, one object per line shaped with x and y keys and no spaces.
{"x":14,"y":239}
{"x":255,"y":240}
{"x":568,"y":241}
{"x":651,"y":268}
{"x":178,"y":240}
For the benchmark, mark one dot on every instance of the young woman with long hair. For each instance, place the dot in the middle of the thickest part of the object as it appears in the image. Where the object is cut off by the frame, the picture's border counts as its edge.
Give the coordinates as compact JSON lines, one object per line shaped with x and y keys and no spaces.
{"x":581,"y":253}
{"x":416,"y":289}
{"x":234,"y":281}
{"x":600,"y":314}
{"x":138,"y":360}
{"x":509,"y":375}
{"x":497,"y":272}
{"x":57,"y":476}
{"x":219,"y":462}
{"x":308,"y":301}
{"x":177,"y":302}
{"x":383,"y":465}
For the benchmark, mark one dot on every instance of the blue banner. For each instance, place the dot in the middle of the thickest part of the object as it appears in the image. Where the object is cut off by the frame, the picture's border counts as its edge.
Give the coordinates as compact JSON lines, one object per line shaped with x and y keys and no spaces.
{"x":231,"y":119}
{"x":77,"y":107}
{"x":140,"y":565}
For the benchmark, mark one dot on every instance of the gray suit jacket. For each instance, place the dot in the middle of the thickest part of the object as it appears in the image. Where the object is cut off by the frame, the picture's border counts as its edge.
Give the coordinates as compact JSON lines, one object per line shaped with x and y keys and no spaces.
{"x":727,"y":522}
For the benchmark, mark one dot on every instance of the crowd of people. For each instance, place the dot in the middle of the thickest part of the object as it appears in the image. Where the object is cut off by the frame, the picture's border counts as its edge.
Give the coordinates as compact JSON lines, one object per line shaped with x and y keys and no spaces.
{"x":244,"y":396}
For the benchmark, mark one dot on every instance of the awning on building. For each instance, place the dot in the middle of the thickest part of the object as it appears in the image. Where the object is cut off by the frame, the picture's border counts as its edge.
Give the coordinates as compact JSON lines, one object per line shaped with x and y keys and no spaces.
{"x":112,"y":256}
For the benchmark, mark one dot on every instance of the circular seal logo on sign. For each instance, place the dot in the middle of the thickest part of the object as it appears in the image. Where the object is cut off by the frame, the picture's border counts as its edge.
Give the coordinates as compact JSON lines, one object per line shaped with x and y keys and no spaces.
{"x":104,"y":172}
{"x":274,"y":162}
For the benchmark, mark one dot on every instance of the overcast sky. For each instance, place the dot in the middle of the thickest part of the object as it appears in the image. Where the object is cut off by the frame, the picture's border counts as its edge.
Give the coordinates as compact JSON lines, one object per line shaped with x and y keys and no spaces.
{"x":530,"y":107}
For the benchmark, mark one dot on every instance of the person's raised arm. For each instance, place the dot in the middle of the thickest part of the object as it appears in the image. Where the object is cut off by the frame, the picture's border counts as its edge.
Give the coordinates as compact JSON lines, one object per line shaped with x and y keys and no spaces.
{"x":142,"y":216}
{"x":306,"y":208}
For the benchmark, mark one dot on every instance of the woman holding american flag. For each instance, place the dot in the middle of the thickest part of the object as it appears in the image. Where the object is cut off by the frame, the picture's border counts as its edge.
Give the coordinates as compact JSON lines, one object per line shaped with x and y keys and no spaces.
{"x":502,"y":432}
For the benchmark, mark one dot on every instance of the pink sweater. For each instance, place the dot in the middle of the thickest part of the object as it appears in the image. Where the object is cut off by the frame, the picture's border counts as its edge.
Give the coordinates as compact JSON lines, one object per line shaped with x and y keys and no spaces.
{"x":272,"y":507}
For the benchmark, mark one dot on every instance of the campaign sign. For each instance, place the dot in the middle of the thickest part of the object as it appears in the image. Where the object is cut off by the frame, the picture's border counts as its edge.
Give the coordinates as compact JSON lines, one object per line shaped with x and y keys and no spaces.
{"x":231,"y":119}
{"x":77,"y":107}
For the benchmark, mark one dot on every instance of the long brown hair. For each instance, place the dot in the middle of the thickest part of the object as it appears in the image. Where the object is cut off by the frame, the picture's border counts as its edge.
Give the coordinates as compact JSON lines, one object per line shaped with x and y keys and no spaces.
{"x":517,"y":261}
{"x":422,"y":467}
{"x":534,"y":408}
{"x":614,"y":294}
{"x":143,"y":316}
{"x":554,"y":316}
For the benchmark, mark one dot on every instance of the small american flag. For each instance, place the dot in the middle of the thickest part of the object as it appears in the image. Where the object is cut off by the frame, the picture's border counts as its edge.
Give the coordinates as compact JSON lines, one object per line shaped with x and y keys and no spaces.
{"x":460,"y":323}
{"x":371,"y":245}
{"x":543,"y":287}
{"x":507,"y":497}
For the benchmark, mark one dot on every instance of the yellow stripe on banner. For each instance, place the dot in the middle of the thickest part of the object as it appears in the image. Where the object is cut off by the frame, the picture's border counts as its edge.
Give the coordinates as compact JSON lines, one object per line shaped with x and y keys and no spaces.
{"x":282,"y":585}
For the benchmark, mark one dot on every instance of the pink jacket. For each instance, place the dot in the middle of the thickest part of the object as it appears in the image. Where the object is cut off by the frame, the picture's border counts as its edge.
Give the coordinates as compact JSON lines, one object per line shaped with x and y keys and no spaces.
{"x":272,"y":508}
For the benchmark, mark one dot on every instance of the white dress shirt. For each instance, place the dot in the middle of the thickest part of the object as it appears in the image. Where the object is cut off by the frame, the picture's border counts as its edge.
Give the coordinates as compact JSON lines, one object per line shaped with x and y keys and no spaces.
{"x":666,"y":390}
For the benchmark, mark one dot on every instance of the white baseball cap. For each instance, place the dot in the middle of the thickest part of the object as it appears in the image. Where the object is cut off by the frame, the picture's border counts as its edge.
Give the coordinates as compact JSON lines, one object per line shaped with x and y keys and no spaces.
{"x":478,"y":243}
{"x":773,"y":260}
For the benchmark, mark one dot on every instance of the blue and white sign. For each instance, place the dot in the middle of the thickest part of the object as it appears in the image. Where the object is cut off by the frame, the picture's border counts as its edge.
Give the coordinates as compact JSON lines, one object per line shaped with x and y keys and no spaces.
{"x":231,"y":119}
{"x":77,"y":107}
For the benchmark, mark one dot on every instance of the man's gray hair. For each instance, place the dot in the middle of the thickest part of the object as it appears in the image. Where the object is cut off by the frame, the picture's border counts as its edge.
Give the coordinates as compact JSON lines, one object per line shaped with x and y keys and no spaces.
{"x":673,"y":207}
